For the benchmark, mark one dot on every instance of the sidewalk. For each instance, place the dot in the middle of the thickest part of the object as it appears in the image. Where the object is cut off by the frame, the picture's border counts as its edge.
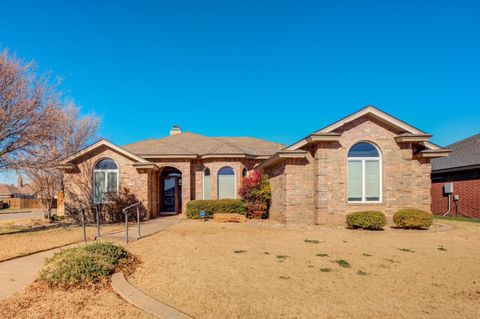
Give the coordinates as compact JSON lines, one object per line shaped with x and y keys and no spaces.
{"x":147,"y":228}
{"x":18,"y":273}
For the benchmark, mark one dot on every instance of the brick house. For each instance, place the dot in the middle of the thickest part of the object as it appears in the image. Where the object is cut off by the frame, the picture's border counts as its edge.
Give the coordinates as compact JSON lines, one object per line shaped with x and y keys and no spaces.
{"x":367,"y":160}
{"x":462,"y":170}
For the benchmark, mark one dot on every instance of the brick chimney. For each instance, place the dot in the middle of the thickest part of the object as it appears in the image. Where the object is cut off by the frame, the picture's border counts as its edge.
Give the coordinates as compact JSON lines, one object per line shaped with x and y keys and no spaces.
{"x":176,"y":129}
{"x":19,"y":182}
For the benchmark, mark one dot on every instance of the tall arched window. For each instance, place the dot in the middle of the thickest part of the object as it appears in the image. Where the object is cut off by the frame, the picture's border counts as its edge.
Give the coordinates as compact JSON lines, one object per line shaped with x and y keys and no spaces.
{"x":207,"y":184}
{"x":105,"y":179}
{"x":226,"y":183}
{"x":364,"y":173}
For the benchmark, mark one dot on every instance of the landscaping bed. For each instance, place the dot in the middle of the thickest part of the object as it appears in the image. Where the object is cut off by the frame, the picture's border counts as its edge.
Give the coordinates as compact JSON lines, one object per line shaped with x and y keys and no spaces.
{"x":74,"y":284}
{"x":212,"y":270}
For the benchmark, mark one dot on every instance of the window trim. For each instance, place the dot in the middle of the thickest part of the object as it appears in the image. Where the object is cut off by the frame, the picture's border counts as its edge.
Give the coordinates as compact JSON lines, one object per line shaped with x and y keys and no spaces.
{"x":234,"y":181}
{"x":363,"y":161}
{"x":203,"y":183}
{"x":106,"y":171}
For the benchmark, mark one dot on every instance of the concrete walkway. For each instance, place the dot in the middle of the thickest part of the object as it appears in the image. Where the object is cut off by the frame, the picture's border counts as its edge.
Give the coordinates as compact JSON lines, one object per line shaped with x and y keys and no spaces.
{"x":147,"y":228}
{"x":25,"y":214}
{"x":18,"y":273}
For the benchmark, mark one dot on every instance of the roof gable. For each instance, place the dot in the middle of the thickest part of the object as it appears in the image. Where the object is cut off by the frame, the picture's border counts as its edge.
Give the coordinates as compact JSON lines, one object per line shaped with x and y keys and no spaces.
{"x":379,"y":115}
{"x":372,"y":111}
{"x":106,"y":143}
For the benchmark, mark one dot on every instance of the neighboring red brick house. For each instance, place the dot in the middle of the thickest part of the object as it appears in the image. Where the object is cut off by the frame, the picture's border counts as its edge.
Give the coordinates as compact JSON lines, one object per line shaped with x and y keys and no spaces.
{"x":462,"y":170}
{"x":368,"y":160}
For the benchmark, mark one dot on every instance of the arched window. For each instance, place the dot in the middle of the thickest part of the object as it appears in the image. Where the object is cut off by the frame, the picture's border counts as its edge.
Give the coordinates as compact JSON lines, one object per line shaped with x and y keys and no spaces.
{"x":105,"y":179}
{"x":226,"y":183}
{"x":364,"y":173}
{"x":207,"y":184}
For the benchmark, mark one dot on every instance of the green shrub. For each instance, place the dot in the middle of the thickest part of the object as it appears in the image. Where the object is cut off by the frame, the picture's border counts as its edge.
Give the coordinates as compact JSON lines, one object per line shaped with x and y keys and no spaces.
{"x":215,"y":206}
{"x":112,"y":253}
{"x":412,"y":219}
{"x":371,"y":220}
{"x":82,"y":266}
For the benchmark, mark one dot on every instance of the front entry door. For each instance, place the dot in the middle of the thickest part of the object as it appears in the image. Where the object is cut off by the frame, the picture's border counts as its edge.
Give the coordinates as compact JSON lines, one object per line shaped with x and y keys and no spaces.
{"x":171,"y":194}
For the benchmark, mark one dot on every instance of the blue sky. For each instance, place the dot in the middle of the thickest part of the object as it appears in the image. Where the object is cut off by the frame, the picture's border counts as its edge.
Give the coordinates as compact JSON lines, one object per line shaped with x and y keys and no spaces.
{"x":277,"y":70}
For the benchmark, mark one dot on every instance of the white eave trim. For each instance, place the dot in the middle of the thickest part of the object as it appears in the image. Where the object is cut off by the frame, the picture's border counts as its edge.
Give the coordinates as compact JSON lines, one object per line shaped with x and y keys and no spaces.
{"x":433,"y":153}
{"x":151,"y":166}
{"x":313,"y":138}
{"x":414,"y":138}
{"x":104,"y":142}
{"x":280,"y":156}
{"x":169,"y":156}
{"x":384,"y":117}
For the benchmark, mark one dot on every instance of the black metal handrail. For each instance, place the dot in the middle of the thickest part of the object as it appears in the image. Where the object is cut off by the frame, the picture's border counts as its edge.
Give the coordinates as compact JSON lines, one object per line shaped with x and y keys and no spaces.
{"x":125,"y":211}
{"x":97,"y":217}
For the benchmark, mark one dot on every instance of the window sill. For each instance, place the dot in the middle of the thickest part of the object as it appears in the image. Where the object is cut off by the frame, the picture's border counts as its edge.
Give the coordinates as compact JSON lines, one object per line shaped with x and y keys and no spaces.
{"x":364,"y":203}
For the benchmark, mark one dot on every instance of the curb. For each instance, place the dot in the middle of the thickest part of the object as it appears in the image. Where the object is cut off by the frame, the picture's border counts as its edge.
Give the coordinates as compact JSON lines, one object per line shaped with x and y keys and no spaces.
{"x":143,"y":301}
{"x":18,"y":212}
{"x":39,"y":251}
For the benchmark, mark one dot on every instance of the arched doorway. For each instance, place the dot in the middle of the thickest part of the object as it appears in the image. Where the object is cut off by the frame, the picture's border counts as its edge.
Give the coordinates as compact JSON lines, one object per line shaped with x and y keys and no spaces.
{"x":170,"y":191}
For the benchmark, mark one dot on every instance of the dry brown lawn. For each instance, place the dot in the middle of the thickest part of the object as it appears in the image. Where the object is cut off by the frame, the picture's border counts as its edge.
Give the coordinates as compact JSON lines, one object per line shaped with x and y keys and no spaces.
{"x":20,"y":244}
{"x":39,"y":301}
{"x":211,"y":270}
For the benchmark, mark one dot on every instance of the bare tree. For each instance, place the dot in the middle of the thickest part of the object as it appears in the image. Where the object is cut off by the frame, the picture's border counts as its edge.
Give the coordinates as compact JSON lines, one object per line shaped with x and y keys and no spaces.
{"x":37,"y":127}
{"x":29,"y":107}
{"x":71,"y":134}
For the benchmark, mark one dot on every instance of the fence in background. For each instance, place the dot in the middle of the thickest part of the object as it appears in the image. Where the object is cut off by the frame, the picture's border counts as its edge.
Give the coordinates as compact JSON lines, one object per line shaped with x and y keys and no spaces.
{"x":21,"y":203}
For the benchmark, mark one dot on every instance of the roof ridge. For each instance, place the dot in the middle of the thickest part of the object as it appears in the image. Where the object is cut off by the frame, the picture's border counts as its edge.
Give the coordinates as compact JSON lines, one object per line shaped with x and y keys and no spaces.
{"x":223,"y":143}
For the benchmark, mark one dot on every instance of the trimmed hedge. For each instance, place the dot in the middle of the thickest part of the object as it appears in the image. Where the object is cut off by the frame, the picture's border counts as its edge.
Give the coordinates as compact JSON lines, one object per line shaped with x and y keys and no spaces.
{"x":411,"y":218}
{"x":371,"y":220}
{"x":215,"y":206}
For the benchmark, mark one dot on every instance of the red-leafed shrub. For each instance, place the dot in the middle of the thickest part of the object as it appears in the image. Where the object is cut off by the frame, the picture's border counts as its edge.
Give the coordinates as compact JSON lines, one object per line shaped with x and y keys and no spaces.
{"x":256,"y":194}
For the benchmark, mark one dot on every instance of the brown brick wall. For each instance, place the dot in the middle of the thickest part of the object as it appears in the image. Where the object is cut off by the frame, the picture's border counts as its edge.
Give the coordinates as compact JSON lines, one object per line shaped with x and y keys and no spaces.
{"x":79,"y":182}
{"x":468,"y":190}
{"x":405,"y":181}
{"x":278,"y":184}
{"x":146,"y":184}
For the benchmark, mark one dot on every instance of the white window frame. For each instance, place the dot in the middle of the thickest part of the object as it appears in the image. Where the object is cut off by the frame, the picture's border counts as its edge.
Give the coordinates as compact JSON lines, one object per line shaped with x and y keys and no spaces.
{"x":203,"y":183}
{"x":363,"y":160}
{"x":234,"y":182}
{"x":106,"y":171}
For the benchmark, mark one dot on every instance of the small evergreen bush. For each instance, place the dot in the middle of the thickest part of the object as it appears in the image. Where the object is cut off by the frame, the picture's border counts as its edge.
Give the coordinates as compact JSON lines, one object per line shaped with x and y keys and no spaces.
{"x":410,"y":218}
{"x":83,"y":266}
{"x":371,"y":220}
{"x":215,"y":206}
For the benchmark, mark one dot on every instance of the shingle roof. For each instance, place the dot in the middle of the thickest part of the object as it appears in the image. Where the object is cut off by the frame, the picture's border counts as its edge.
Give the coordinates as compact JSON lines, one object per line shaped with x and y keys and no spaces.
{"x":464,"y":153}
{"x":195,"y":144}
